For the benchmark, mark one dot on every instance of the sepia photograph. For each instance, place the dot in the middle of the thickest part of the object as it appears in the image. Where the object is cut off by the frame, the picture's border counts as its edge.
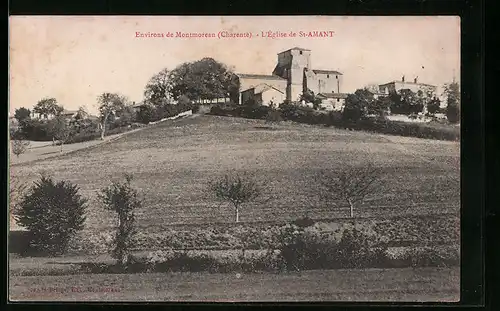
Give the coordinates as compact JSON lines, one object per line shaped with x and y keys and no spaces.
{"x":234,"y":159}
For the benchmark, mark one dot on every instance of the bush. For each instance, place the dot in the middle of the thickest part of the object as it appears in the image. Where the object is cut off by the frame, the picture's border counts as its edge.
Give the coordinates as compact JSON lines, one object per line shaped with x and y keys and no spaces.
{"x":52,"y":212}
{"x":453,"y":113}
{"x":304,"y":222}
{"x":273,"y":116}
{"x":122,"y":199}
{"x":254,"y":112}
{"x":307,"y":252}
{"x":36,"y":130}
{"x":19,"y":146}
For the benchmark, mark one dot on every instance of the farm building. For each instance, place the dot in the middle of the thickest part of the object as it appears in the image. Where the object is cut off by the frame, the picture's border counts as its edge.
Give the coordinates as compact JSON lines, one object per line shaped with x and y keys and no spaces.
{"x":415,"y":86}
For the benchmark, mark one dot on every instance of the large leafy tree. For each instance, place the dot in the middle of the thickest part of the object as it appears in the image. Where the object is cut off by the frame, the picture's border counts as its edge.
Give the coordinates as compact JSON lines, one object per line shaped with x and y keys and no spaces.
{"x":159,"y":88}
{"x":357,"y":104}
{"x":203,"y":79}
{"x":48,"y":106}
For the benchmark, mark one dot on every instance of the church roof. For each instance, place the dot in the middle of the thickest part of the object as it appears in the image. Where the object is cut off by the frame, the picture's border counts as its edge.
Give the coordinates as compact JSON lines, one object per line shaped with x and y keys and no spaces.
{"x":258,"y":76}
{"x":263,"y":87}
{"x":326,"y":71}
{"x":280,"y":69}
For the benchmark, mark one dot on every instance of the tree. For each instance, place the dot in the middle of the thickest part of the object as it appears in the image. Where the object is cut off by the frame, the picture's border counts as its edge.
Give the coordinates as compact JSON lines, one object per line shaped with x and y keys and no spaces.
{"x":236,"y":189}
{"x":434,"y":105}
{"x":379,"y":106}
{"x":19,"y":146}
{"x":81,"y":114}
{"x":60,"y":130}
{"x":356,"y":105}
{"x":52,"y":212}
{"x":452,"y":94}
{"x":109,"y":104}
{"x":48,"y":106}
{"x":122,"y":199}
{"x":22,"y":114}
{"x":349,"y":185}
{"x":203,"y":79}
{"x":158,"y":87}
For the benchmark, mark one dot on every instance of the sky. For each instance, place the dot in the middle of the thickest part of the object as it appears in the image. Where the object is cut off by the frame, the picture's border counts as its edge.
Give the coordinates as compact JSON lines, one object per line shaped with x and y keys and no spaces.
{"x":76,"y":58}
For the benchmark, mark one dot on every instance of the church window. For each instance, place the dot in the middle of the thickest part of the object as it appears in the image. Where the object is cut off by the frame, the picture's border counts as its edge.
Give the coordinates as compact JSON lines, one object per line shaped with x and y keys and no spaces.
{"x":336,"y":77}
{"x":328,"y":76}
{"x":300,"y":52}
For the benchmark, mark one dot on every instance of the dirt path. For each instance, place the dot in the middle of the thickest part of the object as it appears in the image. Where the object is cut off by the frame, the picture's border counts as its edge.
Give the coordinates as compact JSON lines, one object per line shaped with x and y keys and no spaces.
{"x":45,"y":150}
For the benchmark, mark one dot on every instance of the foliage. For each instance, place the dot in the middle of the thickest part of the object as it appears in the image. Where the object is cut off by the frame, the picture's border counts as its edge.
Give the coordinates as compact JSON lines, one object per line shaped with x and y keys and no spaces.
{"x":273,"y":116}
{"x":380,"y":125}
{"x":434,"y":105}
{"x":17,"y":190}
{"x":53,"y":212}
{"x":60,"y":129}
{"x":452,"y":93}
{"x":123,"y":200}
{"x":158,"y":87}
{"x":237,"y":189}
{"x":22,"y":114}
{"x":348,"y":184}
{"x":47,"y":107}
{"x":203,"y":79}
{"x":146,"y":114}
{"x":34,"y":129}
{"x":356,"y":105}
{"x":304,"y":222}
{"x":124,"y":117}
{"x":109,"y":104}
{"x":304,"y":251}
{"x":453,"y":114}
{"x":309,"y":97}
{"x":19,"y":146}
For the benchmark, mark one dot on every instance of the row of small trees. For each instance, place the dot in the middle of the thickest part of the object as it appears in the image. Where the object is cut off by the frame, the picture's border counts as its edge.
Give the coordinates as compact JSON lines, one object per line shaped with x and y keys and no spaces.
{"x":53,"y":212}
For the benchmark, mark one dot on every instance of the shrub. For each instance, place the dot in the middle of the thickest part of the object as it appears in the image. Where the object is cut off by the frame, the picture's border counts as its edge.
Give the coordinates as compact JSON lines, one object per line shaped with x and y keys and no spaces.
{"x":453,"y":113}
{"x":122,"y":199}
{"x":19,"y":146}
{"x":53,"y":212}
{"x":145,"y":114}
{"x":304,"y":222}
{"x":36,"y":130}
{"x":273,"y":116}
{"x":303,"y":251}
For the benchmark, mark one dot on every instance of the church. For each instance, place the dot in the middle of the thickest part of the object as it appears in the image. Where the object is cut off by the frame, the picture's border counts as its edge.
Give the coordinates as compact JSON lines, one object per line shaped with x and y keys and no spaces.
{"x":292,"y":76}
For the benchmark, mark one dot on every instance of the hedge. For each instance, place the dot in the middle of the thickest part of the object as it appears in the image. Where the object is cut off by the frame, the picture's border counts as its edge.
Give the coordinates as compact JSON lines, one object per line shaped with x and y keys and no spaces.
{"x":310,"y":116}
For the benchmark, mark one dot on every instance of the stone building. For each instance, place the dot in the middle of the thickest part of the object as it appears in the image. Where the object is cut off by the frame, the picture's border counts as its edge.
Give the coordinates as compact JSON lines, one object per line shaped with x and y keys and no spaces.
{"x":415,"y":86}
{"x":292,"y":76}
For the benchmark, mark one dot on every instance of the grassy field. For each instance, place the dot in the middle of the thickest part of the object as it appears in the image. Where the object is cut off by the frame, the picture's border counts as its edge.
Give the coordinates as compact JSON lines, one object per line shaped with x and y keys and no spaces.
{"x":410,"y":285}
{"x":173,"y":162}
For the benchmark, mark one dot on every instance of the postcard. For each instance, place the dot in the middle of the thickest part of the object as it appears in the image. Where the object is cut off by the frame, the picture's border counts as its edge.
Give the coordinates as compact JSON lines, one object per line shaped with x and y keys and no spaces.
{"x":234,"y":158}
